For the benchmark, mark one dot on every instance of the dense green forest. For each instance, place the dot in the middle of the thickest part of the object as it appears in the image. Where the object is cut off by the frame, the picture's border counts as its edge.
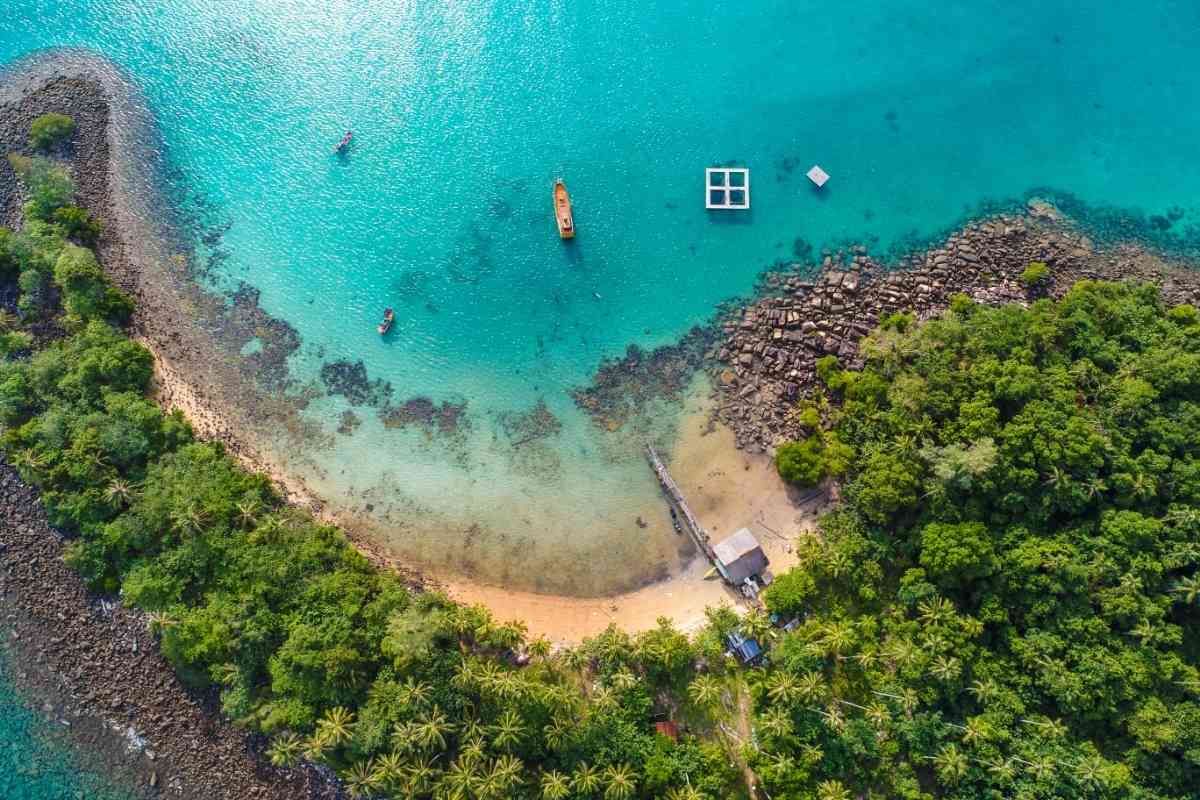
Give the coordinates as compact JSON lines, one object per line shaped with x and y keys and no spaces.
{"x":1004,"y":605}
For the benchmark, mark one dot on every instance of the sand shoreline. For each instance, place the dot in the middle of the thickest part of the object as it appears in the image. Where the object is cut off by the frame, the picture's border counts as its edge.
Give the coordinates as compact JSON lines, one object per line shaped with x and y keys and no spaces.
{"x":139,"y":250}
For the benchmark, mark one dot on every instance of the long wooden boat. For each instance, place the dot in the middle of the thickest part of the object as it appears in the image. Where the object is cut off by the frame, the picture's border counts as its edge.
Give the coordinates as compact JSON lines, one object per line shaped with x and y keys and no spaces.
{"x":562,"y":211}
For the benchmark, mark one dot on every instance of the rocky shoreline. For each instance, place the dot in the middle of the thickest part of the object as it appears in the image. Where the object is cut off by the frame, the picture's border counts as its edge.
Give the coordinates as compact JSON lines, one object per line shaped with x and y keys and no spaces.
{"x":767,"y":358}
{"x":91,"y":663}
{"x":95,"y":668}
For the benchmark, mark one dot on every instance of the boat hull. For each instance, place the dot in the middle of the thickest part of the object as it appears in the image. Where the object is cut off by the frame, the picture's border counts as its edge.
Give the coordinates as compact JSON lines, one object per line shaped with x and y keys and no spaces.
{"x":562,"y":211}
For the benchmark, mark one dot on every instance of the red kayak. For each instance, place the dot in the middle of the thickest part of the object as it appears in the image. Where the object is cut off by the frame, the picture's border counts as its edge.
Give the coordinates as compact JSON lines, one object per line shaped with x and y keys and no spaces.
{"x":345,"y":141}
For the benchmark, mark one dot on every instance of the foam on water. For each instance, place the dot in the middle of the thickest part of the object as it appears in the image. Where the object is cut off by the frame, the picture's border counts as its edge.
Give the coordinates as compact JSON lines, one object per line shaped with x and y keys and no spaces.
{"x":36,"y":760}
{"x":464,"y":114}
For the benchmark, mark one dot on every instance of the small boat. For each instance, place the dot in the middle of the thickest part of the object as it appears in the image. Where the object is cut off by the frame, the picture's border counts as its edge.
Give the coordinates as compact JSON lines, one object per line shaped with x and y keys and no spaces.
{"x":562,"y":211}
{"x":340,"y":146}
{"x":389,"y":316}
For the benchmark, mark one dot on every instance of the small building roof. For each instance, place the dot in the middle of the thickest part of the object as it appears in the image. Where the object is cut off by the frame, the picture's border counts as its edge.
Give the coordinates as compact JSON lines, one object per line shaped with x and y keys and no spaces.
{"x":817,"y":176}
{"x":741,"y":556}
{"x":667,"y":728}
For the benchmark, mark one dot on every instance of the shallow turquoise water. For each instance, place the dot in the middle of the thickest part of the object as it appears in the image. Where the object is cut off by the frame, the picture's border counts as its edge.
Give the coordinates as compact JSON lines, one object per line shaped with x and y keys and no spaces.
{"x":36,"y":763}
{"x":463,"y":115}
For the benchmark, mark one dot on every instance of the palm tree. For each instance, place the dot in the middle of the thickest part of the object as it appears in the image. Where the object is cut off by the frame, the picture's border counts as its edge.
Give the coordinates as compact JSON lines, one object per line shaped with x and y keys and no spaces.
{"x":1003,"y":770}
{"x":248,"y":512}
{"x":190,"y":519}
{"x":832,"y":790}
{"x":414,"y":692}
{"x":556,"y":732}
{"x":285,"y":750}
{"x":119,"y":492}
{"x":811,"y":687}
{"x":878,"y":714}
{"x":838,"y":637}
{"x":555,"y":786}
{"x":509,"y":635}
{"x":775,"y":723}
{"x":404,"y":737}
{"x":757,"y":625}
{"x":159,"y":621}
{"x":431,"y":729}
{"x":976,"y":730}
{"x":539,"y":648}
{"x":508,"y":730}
{"x":337,"y":726}
{"x":705,"y":691}
{"x":623,"y":680}
{"x":459,"y":782}
{"x":360,"y":779}
{"x":1188,"y":588}
{"x":812,"y":754}
{"x":686,"y":792}
{"x":603,"y":697}
{"x":1145,"y":632}
{"x":586,"y":780}
{"x":1041,"y":769}
{"x":1091,"y":772}
{"x":316,"y":747}
{"x":983,"y":690}
{"x":419,"y":776}
{"x":782,"y":688}
{"x":622,"y":782}
{"x":388,"y":768}
{"x":834,"y":717}
{"x":945,"y":668}
{"x":935,"y":611}
{"x":951,"y":764}
{"x":511,"y":768}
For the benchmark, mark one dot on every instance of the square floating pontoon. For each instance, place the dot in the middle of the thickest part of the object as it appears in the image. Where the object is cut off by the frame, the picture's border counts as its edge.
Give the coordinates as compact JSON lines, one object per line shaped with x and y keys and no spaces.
{"x":817,"y":176}
{"x":726,"y":187}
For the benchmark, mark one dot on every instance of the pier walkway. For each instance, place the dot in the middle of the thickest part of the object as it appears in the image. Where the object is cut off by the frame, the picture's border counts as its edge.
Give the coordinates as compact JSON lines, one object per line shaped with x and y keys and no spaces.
{"x":694,"y":529}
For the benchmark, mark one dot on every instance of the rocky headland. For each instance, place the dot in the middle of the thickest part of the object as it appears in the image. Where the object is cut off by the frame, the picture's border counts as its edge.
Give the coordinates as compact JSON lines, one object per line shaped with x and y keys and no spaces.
{"x":767,"y":357}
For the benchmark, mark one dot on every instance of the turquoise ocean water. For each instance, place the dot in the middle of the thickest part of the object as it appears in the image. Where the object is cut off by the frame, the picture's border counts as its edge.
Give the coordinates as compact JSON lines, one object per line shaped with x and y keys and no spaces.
{"x":463,"y":115}
{"x":36,"y":763}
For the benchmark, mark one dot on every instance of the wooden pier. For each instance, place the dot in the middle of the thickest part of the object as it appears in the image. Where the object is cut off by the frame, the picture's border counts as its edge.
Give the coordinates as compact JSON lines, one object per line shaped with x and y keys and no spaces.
{"x":694,"y":528}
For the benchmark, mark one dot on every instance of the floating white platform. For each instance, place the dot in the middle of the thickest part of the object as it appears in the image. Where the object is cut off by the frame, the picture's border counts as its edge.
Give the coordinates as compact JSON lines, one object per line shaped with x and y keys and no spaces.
{"x":817,"y":176}
{"x":727,"y":187}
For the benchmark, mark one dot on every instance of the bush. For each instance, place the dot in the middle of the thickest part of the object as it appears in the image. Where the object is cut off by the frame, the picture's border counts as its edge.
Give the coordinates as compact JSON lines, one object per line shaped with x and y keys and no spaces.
{"x":77,"y":224}
{"x":47,"y":185}
{"x":1036,"y":274}
{"x":87,"y":294}
{"x":801,"y":463}
{"x":50,"y":130}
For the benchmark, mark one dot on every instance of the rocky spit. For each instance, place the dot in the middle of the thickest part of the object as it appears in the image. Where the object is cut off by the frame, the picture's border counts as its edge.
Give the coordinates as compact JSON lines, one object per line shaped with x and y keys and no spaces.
{"x":97,"y":670}
{"x":89,"y":661}
{"x":766,"y":361}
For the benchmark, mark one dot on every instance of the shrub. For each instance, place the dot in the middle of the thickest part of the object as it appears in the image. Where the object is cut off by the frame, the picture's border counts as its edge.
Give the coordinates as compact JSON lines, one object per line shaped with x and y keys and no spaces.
{"x":47,"y":185}
{"x":50,"y":130}
{"x":77,"y":224}
{"x":1036,"y":274}
{"x":801,"y":463}
{"x":1184,"y":315}
{"x":87,"y":294}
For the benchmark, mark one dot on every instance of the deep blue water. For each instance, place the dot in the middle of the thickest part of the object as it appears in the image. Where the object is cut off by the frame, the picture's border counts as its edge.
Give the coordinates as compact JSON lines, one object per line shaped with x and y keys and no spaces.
{"x":463,"y":115}
{"x":37,"y":762}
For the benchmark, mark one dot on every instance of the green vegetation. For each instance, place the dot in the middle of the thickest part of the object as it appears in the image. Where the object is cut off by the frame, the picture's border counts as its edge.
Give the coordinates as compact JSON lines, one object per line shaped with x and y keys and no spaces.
{"x":403,"y":693}
{"x":1036,"y":274}
{"x":1007,"y":604}
{"x":50,"y":130}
